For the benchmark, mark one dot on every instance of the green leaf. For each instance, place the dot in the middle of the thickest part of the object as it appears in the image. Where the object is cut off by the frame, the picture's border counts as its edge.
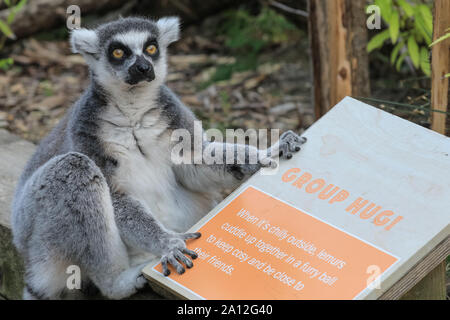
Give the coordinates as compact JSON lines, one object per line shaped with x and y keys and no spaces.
{"x":425,"y":61}
{"x":6,"y":63}
{"x":14,"y":11}
{"x":21,"y":4}
{"x":427,"y":15}
{"x":413,"y":49}
{"x":394,"y":27}
{"x":6,"y":30}
{"x":420,"y":27}
{"x":395,"y":51}
{"x":406,"y":7}
{"x":400,"y":60}
{"x":423,"y":21}
{"x":377,"y":41}
{"x":11,"y":17}
{"x":385,"y":8}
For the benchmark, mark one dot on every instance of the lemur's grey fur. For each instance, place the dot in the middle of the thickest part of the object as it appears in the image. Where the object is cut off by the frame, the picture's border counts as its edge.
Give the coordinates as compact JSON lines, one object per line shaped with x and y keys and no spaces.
{"x":101,"y":191}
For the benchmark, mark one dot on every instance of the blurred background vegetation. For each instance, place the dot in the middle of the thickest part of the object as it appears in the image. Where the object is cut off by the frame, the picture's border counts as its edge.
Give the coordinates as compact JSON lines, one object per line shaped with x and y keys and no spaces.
{"x":239,"y":64}
{"x":260,"y":46}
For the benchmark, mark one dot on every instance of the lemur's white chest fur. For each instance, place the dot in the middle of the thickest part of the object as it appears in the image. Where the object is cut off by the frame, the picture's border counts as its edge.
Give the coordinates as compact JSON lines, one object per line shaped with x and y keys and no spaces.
{"x":138,"y":137}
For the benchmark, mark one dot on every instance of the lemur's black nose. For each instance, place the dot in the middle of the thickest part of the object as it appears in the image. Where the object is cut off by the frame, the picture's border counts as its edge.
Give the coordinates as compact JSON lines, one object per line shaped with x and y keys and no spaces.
{"x":141,"y":70}
{"x":142,"y":65}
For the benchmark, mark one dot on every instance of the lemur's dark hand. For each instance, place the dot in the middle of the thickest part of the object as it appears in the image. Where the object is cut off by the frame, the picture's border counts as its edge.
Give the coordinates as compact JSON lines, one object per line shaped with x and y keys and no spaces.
{"x":289,"y":143}
{"x":176,"y":251}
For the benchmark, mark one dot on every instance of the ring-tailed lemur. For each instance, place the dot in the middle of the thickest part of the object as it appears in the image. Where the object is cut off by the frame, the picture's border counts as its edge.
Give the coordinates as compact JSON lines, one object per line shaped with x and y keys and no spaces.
{"x":101,"y":191}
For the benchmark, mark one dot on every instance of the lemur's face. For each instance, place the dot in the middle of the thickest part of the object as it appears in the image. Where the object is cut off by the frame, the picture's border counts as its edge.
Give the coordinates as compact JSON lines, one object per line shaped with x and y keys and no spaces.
{"x":133,"y":57}
{"x":127,"y":52}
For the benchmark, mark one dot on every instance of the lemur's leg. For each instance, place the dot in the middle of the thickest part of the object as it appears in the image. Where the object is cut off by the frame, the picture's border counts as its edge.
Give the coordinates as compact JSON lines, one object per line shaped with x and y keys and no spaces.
{"x":139,"y":229}
{"x":245,"y":161}
{"x":73,"y":224}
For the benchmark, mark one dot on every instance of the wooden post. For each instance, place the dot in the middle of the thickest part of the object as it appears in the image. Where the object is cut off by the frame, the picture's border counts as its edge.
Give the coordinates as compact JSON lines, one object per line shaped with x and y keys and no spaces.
{"x":338,"y":39}
{"x":433,"y":285}
{"x":440,"y":65}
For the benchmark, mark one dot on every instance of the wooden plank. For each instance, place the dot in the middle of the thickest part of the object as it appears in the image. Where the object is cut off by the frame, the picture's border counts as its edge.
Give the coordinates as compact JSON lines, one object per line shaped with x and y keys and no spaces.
{"x":412,"y":286}
{"x":440,"y":65}
{"x":431,"y":287}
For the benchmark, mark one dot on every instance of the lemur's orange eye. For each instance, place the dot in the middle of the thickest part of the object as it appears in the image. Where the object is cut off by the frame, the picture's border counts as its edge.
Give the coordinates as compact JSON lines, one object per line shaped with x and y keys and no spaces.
{"x":151,"y":49}
{"x":118,"y":53}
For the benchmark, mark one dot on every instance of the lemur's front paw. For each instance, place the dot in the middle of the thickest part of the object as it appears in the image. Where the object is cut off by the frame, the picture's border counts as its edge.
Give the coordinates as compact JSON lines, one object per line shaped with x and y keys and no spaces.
{"x":175,"y":253}
{"x":290,"y":142}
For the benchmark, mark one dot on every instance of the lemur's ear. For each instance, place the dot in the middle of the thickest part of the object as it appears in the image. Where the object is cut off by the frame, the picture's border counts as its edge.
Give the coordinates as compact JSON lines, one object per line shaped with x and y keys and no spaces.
{"x":84,"y":41}
{"x":169,"y":29}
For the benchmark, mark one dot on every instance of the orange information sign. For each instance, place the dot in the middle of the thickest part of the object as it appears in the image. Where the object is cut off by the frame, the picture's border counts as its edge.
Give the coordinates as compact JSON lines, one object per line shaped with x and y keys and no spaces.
{"x":260,"y":247}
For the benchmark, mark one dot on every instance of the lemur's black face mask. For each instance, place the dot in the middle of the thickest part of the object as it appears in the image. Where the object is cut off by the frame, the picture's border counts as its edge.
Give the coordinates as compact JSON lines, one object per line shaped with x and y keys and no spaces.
{"x":141,"y":70}
{"x":134,"y":67}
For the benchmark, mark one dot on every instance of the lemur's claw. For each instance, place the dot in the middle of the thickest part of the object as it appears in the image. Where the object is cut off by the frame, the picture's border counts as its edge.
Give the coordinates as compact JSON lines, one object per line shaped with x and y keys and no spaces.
{"x":194,"y":235}
{"x":187,"y":236}
{"x":190,"y":253}
{"x":171,"y":258}
{"x":166,"y":270}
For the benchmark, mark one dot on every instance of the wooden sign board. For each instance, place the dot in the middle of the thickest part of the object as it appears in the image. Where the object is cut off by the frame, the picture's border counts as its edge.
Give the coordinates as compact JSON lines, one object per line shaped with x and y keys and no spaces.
{"x":362,"y":212}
